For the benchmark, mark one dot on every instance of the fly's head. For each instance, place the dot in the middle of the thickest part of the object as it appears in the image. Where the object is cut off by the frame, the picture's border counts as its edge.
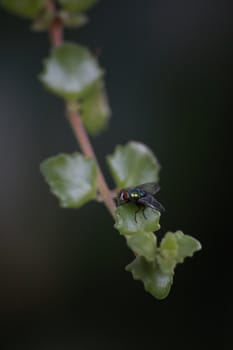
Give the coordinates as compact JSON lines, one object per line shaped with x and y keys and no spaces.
{"x":123,"y":197}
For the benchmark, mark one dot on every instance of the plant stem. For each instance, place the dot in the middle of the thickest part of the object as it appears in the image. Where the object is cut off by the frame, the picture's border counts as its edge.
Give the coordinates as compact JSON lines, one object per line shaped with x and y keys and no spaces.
{"x":56,"y":27}
{"x":87,"y":149}
{"x":56,"y":37}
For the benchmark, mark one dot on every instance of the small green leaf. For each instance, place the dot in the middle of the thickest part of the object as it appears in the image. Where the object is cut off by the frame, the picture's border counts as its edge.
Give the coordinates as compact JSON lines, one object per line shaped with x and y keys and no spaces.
{"x":168,"y":253}
{"x":143,"y":244}
{"x":174,"y":248}
{"x":167,"y":265}
{"x":70,"y":71}
{"x":24,"y":8}
{"x":187,"y":246}
{"x":73,"y":20}
{"x":77,"y":5}
{"x":133,"y":164}
{"x":169,"y":245}
{"x":127,"y":225}
{"x":72,"y":178}
{"x":95,"y":110}
{"x":155,"y":281}
{"x":69,"y":19}
{"x":178,"y":246}
{"x":42,"y":22}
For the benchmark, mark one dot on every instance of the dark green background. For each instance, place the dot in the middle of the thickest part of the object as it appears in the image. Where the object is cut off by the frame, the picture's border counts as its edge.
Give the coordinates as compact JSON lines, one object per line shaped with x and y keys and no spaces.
{"x":62,"y":280}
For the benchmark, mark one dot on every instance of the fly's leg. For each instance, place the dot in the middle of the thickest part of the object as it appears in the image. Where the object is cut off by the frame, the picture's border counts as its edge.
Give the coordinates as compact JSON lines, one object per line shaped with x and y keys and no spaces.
{"x":135,"y":214}
{"x":143,"y":211}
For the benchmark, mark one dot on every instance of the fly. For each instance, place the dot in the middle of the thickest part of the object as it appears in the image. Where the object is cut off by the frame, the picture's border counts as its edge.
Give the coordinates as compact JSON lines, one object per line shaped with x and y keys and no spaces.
{"x":143,"y":196}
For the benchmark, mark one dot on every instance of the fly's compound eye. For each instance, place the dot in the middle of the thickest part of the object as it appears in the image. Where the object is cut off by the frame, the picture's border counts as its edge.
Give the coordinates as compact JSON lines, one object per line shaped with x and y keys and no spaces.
{"x":124,"y":196}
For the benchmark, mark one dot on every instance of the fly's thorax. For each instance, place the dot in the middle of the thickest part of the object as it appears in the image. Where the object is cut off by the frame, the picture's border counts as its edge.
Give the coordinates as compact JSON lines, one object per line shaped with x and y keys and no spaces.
{"x":136,"y":194}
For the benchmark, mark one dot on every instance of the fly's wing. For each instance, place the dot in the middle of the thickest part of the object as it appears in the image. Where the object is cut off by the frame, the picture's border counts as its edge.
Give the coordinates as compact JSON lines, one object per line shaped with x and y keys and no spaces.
{"x":150,"y":187}
{"x":151,"y":202}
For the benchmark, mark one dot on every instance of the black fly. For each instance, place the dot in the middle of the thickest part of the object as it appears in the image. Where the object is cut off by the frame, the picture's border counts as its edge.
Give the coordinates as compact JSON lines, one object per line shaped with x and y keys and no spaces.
{"x":141,"y":195}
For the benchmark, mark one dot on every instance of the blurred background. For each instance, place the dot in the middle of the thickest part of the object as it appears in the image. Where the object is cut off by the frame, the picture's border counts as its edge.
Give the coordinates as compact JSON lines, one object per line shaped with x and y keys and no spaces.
{"x":62,"y":280}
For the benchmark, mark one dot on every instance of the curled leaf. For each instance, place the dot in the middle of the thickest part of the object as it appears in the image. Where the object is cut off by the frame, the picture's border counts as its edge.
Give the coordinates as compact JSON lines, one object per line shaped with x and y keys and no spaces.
{"x":154,"y":280}
{"x":187,"y":246}
{"x":174,"y":248}
{"x":143,"y":244}
{"x":155,"y":268}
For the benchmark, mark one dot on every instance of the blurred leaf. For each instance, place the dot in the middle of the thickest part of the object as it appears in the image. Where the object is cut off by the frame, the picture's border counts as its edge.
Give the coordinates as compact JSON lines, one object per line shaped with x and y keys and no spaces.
{"x":70,"y":71}
{"x":73,"y":20}
{"x":155,"y":281}
{"x":24,"y":8}
{"x":42,"y":22}
{"x":77,"y":5}
{"x":126,"y":223}
{"x":143,"y":244}
{"x":95,"y":110}
{"x":174,"y":248}
{"x":133,"y":164}
{"x":69,"y":19}
{"x":72,"y":178}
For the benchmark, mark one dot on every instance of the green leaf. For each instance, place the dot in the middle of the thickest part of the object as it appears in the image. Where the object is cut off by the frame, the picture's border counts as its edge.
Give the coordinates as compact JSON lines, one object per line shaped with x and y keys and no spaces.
{"x":72,"y":178}
{"x":70,"y":71}
{"x":168,"y":252}
{"x":157,"y":274}
{"x":42,"y":22}
{"x":169,"y":246}
{"x":133,"y":164}
{"x":77,"y":5}
{"x":167,"y":265}
{"x":143,"y":244}
{"x":155,"y":281}
{"x":187,"y":246}
{"x":174,"y":248}
{"x":24,"y":8}
{"x":126,"y":223}
{"x":69,"y":19}
{"x":95,"y":110}
{"x":73,"y":20}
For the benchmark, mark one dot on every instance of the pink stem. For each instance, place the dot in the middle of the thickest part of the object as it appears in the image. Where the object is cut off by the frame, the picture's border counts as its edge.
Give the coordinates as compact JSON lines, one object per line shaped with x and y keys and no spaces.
{"x":56,"y":37}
